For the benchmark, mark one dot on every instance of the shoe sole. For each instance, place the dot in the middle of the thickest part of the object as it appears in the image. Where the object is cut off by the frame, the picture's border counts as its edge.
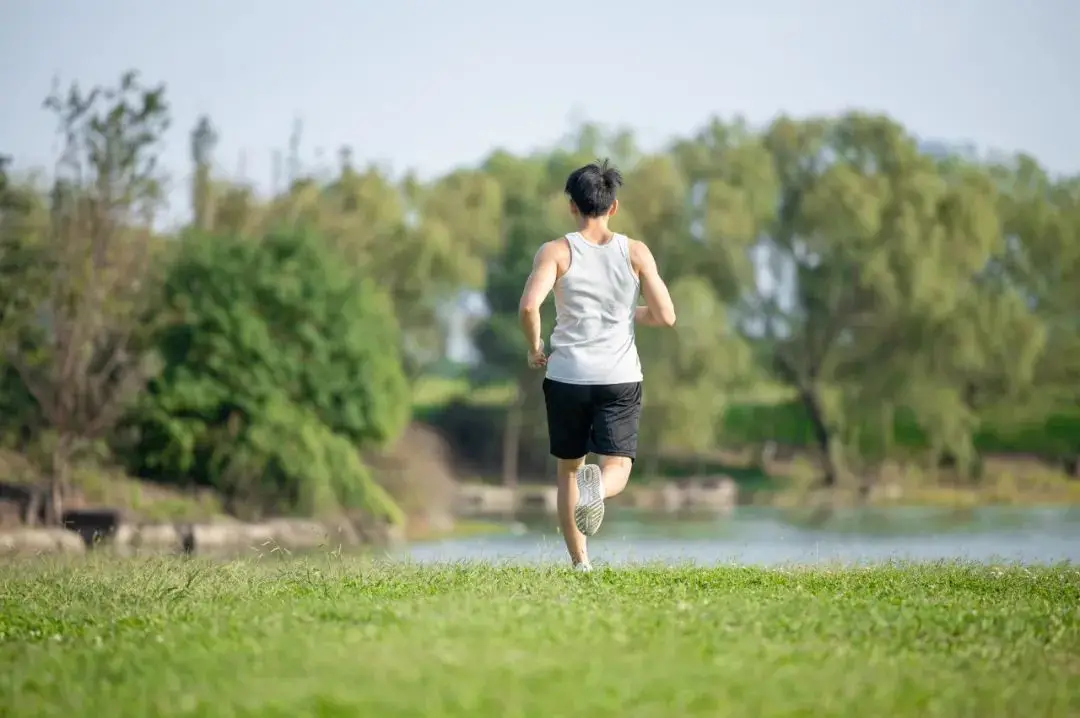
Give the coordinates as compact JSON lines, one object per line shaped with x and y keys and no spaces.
{"x":589,"y":511}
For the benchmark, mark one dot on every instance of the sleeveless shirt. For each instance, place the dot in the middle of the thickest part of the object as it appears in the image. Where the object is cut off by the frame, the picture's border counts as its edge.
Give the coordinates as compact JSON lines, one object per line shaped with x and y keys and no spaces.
{"x":593,"y":340}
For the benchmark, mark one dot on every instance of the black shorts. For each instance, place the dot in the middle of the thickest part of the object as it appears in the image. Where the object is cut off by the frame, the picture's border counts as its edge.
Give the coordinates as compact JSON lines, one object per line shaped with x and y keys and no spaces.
{"x":592,"y":418}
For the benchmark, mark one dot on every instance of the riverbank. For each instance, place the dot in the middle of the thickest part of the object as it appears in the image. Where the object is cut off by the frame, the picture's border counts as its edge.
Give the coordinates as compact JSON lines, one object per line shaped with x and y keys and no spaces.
{"x":336,"y":637}
{"x":98,"y":532}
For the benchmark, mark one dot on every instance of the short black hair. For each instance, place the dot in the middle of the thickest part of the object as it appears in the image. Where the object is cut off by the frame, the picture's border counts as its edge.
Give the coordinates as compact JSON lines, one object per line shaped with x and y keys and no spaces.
{"x":592,"y":188}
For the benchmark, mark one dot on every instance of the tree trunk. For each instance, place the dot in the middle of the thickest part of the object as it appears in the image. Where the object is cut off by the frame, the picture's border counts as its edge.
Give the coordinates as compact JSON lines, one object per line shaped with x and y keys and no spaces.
{"x":511,"y":447}
{"x":33,"y":507}
{"x":56,"y":502}
{"x":823,"y":436}
{"x":58,"y":480}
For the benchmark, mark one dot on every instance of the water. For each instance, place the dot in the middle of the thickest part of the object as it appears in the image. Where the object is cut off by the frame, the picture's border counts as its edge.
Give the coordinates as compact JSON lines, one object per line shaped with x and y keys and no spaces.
{"x":769,"y":537}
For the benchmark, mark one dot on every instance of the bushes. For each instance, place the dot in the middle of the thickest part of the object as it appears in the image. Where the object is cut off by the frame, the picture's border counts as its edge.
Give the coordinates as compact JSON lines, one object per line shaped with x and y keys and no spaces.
{"x":290,"y":461}
{"x":279,"y":363}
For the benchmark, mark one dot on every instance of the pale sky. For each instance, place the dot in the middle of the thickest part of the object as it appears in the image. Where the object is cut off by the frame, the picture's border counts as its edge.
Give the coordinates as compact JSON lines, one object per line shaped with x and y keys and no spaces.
{"x":433,"y":85}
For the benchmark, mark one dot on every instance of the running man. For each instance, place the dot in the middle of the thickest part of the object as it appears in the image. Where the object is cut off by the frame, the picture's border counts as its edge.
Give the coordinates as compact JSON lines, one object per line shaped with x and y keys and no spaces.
{"x":593,"y":386}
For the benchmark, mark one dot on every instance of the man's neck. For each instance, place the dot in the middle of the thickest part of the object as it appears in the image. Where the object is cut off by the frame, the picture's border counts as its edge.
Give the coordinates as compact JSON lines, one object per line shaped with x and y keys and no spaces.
{"x":595,"y":231}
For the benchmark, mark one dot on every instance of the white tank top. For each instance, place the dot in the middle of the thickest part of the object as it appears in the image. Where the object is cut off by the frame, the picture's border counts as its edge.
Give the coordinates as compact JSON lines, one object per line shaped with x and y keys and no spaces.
{"x":593,"y":341}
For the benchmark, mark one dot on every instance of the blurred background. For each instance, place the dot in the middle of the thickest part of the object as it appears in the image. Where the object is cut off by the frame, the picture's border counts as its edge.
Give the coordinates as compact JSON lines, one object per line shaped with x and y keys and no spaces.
{"x":260,"y":266}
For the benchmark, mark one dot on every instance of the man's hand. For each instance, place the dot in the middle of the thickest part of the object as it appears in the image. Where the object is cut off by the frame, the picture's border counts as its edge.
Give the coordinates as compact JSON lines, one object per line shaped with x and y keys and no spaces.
{"x":537,"y":358}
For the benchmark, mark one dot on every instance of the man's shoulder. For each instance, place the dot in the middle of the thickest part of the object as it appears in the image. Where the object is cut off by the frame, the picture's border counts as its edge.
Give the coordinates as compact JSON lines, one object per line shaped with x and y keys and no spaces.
{"x":554,"y":248}
{"x":637,"y":248}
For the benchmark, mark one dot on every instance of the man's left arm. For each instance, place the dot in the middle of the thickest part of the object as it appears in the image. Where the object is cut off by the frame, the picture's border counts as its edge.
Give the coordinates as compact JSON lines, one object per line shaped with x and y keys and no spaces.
{"x":540,"y":283}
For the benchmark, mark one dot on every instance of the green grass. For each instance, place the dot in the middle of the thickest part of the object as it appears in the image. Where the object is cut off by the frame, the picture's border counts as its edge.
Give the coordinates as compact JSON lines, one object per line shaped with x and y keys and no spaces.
{"x":436,"y":391}
{"x":336,"y":637}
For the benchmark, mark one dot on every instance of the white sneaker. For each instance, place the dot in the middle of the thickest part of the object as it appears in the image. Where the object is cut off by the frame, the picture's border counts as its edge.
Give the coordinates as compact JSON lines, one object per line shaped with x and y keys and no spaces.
{"x":583,"y":567}
{"x":589,"y":512}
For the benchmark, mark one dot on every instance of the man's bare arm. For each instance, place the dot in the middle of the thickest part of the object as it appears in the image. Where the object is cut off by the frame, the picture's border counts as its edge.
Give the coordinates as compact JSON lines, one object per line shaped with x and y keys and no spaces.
{"x":659,"y":310}
{"x":644,"y":317}
{"x":539,"y":284}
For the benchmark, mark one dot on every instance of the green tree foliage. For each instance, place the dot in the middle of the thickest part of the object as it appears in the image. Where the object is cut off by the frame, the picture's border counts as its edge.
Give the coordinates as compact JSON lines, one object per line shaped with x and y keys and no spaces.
{"x":76,"y":277}
{"x":872,"y":279}
{"x":881,"y":286}
{"x":527,"y":222}
{"x":691,"y":374}
{"x":20,"y":416}
{"x":912,"y":305}
{"x":279,"y":364}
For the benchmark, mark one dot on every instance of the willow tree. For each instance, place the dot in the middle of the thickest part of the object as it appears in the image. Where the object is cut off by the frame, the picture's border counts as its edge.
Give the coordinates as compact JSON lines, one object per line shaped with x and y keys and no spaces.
{"x":74,"y":336}
{"x":863,"y":249}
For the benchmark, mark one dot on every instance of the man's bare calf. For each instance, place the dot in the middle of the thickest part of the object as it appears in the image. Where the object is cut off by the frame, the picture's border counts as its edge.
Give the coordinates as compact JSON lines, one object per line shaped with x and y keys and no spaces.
{"x":582,"y":490}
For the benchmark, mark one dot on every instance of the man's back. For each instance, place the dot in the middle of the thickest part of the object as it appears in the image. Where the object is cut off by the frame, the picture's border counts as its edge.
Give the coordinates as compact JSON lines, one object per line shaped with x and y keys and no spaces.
{"x":595,"y":300}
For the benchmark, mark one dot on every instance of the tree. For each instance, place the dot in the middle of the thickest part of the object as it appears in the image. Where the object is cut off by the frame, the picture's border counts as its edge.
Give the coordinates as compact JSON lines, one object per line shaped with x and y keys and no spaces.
{"x":868,"y":251}
{"x":73,"y":338}
{"x":653,"y":208}
{"x":499,"y":337}
{"x":204,"y":139}
{"x":892,"y":287}
{"x":691,"y":375}
{"x":964,"y":342}
{"x":20,"y":416}
{"x":5,"y":162}
{"x":279,"y":364}
{"x":1041,"y":223}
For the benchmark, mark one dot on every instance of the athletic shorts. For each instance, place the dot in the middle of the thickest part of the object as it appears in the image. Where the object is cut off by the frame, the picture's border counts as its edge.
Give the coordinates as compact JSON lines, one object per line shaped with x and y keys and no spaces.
{"x":592,"y":418}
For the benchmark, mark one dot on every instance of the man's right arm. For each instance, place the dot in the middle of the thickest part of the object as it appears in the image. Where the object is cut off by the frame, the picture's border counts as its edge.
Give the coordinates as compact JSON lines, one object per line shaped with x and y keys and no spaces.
{"x":659,"y":310}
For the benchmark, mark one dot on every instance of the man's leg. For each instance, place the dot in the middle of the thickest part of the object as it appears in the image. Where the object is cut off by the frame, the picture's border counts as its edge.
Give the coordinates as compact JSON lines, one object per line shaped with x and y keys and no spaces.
{"x":566,"y":500}
{"x":616,"y":415}
{"x":569,"y":421}
{"x":615,"y":471}
{"x":595,"y":483}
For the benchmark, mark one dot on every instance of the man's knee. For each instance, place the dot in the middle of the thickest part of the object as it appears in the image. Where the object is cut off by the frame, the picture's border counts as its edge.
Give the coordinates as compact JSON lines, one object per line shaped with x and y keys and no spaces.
{"x":567,"y":468}
{"x":624,"y":463}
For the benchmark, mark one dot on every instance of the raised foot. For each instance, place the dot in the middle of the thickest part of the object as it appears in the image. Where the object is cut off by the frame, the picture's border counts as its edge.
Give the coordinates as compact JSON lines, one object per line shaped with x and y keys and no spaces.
{"x":589,"y":511}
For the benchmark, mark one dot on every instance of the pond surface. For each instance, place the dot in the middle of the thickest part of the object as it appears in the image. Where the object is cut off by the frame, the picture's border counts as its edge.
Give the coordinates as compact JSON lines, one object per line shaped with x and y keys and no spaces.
{"x":758,"y":536}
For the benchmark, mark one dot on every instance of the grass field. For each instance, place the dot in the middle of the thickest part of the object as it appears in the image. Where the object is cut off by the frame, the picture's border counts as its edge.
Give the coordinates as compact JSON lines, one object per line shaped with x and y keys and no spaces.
{"x":338,"y":637}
